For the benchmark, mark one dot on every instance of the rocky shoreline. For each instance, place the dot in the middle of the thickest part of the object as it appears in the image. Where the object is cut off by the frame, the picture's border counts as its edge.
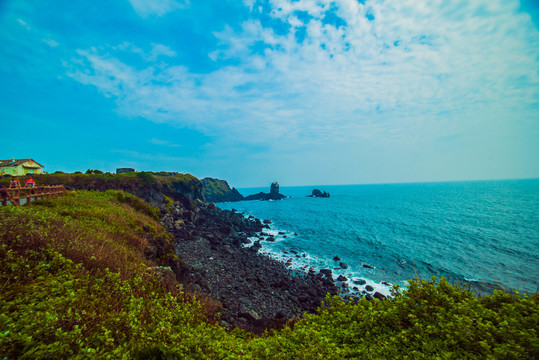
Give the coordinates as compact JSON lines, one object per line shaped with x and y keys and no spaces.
{"x":256,"y":292}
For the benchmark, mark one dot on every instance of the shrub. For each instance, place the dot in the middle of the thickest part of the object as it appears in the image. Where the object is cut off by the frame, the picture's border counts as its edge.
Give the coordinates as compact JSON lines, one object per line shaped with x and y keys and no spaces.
{"x":75,"y":283}
{"x":146,"y":178}
{"x":169,"y":202}
{"x":428,"y":320}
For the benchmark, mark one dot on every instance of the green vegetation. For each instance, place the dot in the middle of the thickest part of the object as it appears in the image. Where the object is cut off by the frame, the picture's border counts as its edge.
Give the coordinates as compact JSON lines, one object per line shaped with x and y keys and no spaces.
{"x":132,"y":178}
{"x":429,"y":320}
{"x":169,"y":202}
{"x":75,"y":283}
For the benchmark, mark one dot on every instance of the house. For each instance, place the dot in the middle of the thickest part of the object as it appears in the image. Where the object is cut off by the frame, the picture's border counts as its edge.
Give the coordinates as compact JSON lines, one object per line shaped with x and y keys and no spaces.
{"x":20,"y":167}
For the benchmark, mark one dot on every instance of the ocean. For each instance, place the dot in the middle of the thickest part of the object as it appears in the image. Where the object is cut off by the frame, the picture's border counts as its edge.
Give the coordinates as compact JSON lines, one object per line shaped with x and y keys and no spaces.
{"x":481,"y":233}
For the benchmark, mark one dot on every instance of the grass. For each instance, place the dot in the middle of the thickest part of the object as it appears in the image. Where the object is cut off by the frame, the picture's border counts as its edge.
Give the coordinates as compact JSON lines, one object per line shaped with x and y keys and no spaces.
{"x":75,"y":283}
{"x":75,"y":280}
{"x":100,"y":230}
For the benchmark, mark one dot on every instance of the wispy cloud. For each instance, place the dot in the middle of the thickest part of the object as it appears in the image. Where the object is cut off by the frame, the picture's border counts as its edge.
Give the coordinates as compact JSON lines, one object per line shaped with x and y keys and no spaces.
{"x":160,"y":142}
{"x":24,"y":24}
{"x":52,"y":43}
{"x":145,"y":8}
{"x":383,"y":70}
{"x":151,"y":56}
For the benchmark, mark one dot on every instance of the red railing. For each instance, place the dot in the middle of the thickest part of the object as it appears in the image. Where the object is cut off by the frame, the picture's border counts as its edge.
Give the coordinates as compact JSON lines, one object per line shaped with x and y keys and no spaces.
{"x":14,"y":196}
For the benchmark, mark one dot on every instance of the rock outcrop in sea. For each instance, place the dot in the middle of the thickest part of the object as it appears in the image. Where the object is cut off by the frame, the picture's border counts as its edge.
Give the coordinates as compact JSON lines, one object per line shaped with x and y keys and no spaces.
{"x":272,"y":195}
{"x":318,"y":193}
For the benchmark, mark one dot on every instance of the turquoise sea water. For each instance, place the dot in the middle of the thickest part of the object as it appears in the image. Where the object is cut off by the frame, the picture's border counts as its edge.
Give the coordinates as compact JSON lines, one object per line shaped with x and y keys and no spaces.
{"x":481,"y":232}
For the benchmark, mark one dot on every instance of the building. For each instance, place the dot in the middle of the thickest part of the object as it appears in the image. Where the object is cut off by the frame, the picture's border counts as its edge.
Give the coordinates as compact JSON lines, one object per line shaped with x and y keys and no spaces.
{"x":20,"y":167}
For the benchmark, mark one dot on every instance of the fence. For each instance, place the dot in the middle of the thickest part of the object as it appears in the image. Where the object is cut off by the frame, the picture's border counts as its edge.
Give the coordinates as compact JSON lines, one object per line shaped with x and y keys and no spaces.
{"x":14,"y":196}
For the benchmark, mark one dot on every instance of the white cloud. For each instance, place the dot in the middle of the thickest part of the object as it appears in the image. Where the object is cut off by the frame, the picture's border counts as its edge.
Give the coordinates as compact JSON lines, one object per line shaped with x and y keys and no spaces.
{"x":416,"y":68}
{"x":160,"y":50}
{"x":145,"y":8}
{"x":160,"y":142}
{"x":52,"y":43}
{"x":24,"y":24}
{"x":156,"y":51}
{"x":249,"y":3}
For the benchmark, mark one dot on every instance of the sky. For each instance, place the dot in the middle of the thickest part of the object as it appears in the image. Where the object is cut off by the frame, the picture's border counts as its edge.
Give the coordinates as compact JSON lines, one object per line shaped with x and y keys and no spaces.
{"x":304,"y":92}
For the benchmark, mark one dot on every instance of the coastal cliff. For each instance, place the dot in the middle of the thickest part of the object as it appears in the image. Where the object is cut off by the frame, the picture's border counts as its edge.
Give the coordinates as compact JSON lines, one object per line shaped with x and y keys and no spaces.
{"x":216,"y":190}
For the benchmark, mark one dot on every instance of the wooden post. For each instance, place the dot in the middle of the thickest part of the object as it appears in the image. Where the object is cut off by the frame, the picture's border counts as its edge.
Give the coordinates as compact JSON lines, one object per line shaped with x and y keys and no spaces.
{"x":4,"y":196}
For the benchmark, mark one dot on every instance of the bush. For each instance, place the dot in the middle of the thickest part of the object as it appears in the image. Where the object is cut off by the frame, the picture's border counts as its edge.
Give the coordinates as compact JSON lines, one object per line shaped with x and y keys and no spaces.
{"x":428,"y":320}
{"x":75,"y":283}
{"x":146,"y":178}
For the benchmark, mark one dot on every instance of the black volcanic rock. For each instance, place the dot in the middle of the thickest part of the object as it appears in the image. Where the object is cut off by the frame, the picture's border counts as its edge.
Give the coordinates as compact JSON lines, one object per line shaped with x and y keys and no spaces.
{"x":256,"y":291}
{"x":326,"y":272}
{"x":318,"y":193}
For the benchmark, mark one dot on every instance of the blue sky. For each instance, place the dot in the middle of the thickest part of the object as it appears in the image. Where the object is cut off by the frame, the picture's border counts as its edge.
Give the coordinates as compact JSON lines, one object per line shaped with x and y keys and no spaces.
{"x":303,"y":92}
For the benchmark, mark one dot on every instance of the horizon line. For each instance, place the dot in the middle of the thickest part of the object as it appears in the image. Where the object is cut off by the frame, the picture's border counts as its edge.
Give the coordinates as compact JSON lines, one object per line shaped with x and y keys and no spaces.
{"x":395,"y":183}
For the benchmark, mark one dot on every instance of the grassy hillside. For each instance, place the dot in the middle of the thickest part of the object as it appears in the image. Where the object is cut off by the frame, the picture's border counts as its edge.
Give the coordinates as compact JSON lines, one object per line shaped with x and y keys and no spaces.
{"x":180,"y":187}
{"x":75,"y":278}
{"x":77,"y":281}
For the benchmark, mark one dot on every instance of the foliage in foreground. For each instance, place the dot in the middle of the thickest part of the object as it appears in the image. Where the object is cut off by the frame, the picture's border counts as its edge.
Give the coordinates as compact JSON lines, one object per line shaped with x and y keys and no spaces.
{"x":74,"y":283}
{"x":429,"y":320}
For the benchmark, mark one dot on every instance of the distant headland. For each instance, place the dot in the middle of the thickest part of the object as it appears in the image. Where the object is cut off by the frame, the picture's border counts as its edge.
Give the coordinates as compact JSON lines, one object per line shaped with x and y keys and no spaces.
{"x":217,"y":190}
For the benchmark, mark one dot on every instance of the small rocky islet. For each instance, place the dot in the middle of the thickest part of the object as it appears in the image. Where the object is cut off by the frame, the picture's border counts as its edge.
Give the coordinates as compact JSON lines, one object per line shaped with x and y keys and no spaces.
{"x":318,"y":193}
